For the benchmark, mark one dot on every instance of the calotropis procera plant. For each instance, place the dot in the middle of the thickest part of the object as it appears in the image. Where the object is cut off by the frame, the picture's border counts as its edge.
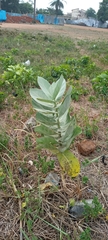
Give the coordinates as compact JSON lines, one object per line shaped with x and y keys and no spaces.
{"x":56,"y":127}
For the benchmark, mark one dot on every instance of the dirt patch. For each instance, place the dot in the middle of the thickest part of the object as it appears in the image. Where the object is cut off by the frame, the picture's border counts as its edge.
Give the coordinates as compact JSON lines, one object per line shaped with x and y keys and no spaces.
{"x":73,"y":31}
{"x":19,"y":19}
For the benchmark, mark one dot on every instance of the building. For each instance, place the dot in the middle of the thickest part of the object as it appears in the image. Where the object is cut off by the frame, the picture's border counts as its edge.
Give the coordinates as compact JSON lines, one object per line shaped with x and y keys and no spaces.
{"x":77,"y":13}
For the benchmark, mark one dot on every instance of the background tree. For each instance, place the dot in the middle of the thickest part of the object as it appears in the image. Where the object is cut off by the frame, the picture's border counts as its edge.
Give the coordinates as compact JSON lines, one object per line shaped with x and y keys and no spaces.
{"x":91,"y":13}
{"x":102,"y":13}
{"x":49,"y":11}
{"x":25,"y":8}
{"x":58,"y":5}
{"x":10,"y":5}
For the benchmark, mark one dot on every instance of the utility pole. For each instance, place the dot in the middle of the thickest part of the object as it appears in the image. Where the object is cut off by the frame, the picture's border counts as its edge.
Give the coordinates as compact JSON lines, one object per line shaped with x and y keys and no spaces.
{"x":34,"y":11}
{"x":0,"y":4}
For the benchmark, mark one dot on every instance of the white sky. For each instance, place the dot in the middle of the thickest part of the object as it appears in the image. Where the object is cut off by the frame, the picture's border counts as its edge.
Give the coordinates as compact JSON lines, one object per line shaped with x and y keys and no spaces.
{"x":71,"y":4}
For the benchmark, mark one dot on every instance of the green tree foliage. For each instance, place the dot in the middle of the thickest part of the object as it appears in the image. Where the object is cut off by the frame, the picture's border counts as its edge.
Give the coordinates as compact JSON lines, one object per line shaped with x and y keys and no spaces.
{"x":10,"y":5}
{"x":91,"y":13}
{"x":102,"y":13}
{"x":58,"y":5}
{"x":50,"y":11}
{"x":42,"y":11}
{"x":25,"y":8}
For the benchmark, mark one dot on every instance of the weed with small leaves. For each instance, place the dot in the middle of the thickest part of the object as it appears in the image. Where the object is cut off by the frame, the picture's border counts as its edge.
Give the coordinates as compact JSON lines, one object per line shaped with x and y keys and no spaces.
{"x":85,"y":235}
{"x":94,"y":210}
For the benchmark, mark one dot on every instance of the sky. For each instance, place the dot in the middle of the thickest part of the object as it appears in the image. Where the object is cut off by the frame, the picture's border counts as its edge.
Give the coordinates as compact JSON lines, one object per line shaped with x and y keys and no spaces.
{"x":71,"y":4}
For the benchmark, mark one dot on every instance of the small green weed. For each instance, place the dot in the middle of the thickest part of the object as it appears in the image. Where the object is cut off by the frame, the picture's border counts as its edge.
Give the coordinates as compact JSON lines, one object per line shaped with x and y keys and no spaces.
{"x":90,"y":128}
{"x":43,"y":165}
{"x":14,"y":51}
{"x":2,"y":98}
{"x":94,"y":210}
{"x":27,"y":143}
{"x":74,"y":68}
{"x":4,"y":140}
{"x":2,"y":177}
{"x":92,"y":98}
{"x":85,"y":179}
{"x":85,"y":235}
{"x":77,"y":90}
{"x":6,"y":61}
{"x":17,"y":77}
{"x":100,"y":85}
{"x":63,"y":69}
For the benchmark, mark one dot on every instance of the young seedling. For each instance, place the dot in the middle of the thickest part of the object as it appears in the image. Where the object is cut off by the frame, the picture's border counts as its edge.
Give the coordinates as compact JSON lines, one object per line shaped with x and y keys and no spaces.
{"x":85,"y":235}
{"x":58,"y":130}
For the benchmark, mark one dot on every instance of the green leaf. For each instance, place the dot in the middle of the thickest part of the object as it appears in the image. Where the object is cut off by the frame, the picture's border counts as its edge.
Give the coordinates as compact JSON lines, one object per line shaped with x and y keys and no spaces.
{"x":77,"y":131}
{"x":60,"y":88}
{"x":44,"y":85}
{"x":65,"y":105}
{"x":41,"y":108}
{"x":37,"y":93}
{"x":69,"y":163}
{"x":65,"y":145}
{"x":46,"y":142}
{"x":46,"y":120}
{"x":41,"y":100}
{"x":72,"y":131}
{"x":69,"y":91}
{"x":49,"y":140}
{"x":64,"y":117}
{"x":45,"y":130}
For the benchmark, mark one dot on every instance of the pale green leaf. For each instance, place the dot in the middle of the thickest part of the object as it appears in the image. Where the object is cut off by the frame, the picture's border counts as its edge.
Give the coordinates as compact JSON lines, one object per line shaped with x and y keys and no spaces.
{"x":69,"y":91}
{"x":44,"y":85}
{"x":69,"y":132}
{"x":64,"y":117}
{"x":65,"y":105}
{"x":45,"y":130}
{"x":41,"y":100}
{"x":46,"y":139}
{"x":52,"y":88}
{"x":69,"y":163}
{"x":77,"y":130}
{"x":46,"y":120}
{"x":60,"y":88}
{"x":45,"y":102}
{"x":37,"y":93}
{"x":41,"y":108}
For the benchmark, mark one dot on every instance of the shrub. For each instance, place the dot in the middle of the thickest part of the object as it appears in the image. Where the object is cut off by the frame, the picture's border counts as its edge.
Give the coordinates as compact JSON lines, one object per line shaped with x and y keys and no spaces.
{"x":100,"y":84}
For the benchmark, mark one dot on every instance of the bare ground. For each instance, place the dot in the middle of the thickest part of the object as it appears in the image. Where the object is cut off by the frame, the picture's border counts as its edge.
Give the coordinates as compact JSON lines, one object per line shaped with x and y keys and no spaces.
{"x":76,"y":32}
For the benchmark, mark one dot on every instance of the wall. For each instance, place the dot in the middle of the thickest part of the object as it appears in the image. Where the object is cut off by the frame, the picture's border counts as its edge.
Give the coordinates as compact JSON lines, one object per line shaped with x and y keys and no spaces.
{"x":45,"y":19}
{"x":2,"y":15}
{"x":87,"y":22}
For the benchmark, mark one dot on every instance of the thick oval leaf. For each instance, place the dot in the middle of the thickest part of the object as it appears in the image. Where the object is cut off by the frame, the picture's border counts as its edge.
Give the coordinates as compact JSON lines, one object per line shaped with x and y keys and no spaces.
{"x":69,"y":163}
{"x":59,"y":88}
{"x":44,"y":85}
{"x":37,"y":93}
{"x":65,"y":105}
{"x":42,"y":108}
{"x":46,"y":120}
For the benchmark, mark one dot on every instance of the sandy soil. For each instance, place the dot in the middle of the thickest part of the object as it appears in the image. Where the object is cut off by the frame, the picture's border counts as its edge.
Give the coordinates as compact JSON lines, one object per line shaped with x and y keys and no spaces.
{"x":78,"y":32}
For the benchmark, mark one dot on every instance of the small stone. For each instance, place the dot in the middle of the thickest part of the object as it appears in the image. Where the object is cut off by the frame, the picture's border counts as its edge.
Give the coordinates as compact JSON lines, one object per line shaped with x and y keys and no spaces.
{"x":53,"y":178}
{"x":30,"y":163}
{"x":20,"y":171}
{"x":86,"y":147}
{"x":77,"y":211}
{"x":30,"y":123}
